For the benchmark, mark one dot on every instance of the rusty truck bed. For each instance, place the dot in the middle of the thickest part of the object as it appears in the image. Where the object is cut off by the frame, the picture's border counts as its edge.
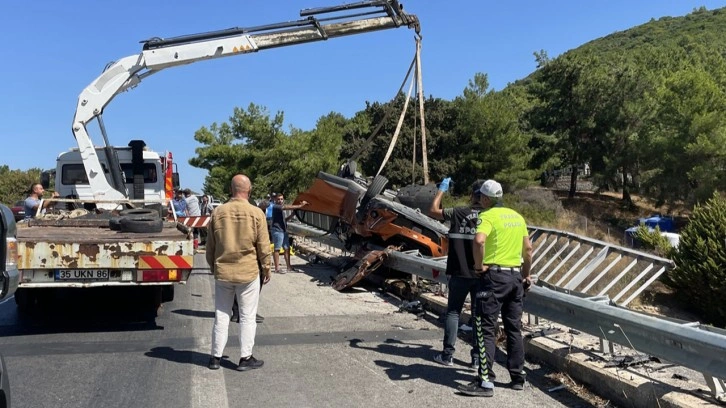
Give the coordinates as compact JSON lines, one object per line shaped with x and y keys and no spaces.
{"x":79,"y":234}
{"x":48,"y":247}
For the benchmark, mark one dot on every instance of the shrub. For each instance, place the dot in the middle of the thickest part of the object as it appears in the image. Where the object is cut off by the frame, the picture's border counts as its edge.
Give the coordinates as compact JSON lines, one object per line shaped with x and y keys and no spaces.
{"x":537,"y":205}
{"x":653,"y":240}
{"x":700,"y":272}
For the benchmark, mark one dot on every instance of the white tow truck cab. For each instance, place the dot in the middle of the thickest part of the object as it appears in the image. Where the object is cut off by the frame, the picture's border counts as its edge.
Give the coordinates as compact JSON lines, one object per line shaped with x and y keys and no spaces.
{"x":153,"y":179}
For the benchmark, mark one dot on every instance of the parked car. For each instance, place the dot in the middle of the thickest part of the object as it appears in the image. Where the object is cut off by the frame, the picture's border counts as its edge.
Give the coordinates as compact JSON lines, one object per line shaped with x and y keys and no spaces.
{"x":18,"y":210}
{"x":9,"y":278}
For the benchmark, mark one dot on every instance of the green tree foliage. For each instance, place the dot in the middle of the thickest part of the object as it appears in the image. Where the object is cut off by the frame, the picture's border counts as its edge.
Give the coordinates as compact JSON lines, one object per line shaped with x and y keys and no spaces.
{"x":688,"y":138}
{"x":403,"y":168}
{"x":254,"y":143}
{"x":654,"y":241}
{"x":491,"y":142}
{"x":642,"y":106}
{"x":15,"y":184}
{"x":571,"y":94}
{"x":700,"y":272}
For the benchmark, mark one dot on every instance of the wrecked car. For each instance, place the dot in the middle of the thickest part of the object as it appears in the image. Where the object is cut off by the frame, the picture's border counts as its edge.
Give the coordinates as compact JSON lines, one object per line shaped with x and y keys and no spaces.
{"x":366,"y":217}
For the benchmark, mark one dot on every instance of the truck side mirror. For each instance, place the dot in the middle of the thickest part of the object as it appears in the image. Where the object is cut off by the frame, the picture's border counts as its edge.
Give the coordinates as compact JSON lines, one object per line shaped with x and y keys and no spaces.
{"x":175,"y":180}
{"x":45,"y":179}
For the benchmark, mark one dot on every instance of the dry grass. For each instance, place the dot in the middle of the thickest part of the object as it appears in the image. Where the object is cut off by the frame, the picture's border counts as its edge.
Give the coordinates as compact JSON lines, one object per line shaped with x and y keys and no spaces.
{"x":605,"y":216}
{"x":579,"y":390}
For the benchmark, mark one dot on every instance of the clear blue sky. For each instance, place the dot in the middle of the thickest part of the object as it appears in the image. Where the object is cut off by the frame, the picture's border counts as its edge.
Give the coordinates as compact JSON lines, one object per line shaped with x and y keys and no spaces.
{"x":53,"y":49}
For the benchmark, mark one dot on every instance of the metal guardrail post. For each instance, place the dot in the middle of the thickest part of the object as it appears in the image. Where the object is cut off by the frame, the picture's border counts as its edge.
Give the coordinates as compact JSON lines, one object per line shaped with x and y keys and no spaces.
{"x":685,"y":345}
{"x":718,"y":388}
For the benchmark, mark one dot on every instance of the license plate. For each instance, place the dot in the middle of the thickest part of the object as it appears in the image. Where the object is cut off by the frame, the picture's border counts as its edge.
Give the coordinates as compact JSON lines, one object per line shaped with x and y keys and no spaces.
{"x":81,"y":274}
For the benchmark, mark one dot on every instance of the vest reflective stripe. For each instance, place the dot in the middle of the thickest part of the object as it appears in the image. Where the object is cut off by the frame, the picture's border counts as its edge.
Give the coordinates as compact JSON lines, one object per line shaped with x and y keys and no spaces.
{"x":468,"y":237}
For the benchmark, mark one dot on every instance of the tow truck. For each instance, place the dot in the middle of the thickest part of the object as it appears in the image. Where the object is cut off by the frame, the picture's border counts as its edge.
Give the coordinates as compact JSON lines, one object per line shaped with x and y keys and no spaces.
{"x":110,"y":242}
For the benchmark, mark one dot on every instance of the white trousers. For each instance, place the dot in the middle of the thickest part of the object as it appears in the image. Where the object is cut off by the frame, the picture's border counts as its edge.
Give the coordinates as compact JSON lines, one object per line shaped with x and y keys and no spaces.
{"x":248,"y":295}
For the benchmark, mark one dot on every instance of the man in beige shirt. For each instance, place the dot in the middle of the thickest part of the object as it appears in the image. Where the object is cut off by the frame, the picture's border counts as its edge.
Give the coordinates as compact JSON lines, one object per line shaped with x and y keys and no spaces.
{"x":237,"y":247}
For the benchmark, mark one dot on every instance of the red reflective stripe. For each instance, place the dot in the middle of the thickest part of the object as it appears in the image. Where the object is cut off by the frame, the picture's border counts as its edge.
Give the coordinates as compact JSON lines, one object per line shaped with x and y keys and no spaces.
{"x":195,"y":222}
{"x":152,"y":262}
{"x":180,"y":261}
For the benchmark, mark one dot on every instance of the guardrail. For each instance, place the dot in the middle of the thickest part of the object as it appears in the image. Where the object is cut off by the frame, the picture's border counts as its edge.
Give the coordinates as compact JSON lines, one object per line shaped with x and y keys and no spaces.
{"x":593,"y":267}
{"x":575,"y":262}
{"x":690,"y":344}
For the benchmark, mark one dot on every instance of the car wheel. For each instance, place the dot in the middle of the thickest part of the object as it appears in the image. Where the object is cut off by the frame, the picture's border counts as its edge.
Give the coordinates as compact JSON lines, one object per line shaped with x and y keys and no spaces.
{"x":375,"y":188}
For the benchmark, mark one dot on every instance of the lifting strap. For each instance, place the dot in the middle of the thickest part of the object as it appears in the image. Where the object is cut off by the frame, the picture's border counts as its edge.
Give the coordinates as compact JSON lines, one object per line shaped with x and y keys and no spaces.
{"x":385,"y":116}
{"x":419,"y":85}
{"x":418,"y":81}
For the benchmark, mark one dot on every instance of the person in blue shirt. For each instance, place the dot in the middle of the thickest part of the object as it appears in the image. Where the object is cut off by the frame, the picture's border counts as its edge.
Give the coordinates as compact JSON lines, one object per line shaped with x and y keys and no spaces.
{"x":33,"y":201}
{"x":278,"y":230}
{"x":180,"y":204}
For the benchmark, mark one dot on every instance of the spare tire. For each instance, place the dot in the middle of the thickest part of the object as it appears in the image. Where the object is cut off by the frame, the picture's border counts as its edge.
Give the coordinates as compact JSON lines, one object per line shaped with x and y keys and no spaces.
{"x":139,"y":211}
{"x":141,"y":224}
{"x":115,"y":223}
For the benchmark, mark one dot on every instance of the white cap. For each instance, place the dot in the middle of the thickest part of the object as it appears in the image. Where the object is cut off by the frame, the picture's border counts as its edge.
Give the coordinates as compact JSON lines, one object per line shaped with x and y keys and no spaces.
{"x":491,"y":188}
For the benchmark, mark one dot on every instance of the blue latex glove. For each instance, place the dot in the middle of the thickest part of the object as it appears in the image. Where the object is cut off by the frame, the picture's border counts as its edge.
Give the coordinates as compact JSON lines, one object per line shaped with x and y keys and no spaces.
{"x":444,"y":186}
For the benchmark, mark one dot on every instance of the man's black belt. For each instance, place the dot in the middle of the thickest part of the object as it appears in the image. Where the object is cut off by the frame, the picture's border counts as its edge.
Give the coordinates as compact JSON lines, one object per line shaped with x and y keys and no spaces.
{"x":510,"y":269}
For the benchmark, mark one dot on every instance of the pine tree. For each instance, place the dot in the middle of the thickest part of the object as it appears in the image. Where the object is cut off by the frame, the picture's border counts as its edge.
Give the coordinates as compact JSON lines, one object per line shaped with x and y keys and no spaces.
{"x":700,"y":272}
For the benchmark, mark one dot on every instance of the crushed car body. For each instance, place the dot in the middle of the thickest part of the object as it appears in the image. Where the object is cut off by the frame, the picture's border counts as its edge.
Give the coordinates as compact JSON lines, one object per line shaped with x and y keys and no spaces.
{"x":366,"y":217}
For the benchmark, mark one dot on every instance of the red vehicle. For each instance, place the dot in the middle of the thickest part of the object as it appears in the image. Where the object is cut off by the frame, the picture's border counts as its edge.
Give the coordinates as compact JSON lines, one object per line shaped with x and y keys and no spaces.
{"x":18,"y":210}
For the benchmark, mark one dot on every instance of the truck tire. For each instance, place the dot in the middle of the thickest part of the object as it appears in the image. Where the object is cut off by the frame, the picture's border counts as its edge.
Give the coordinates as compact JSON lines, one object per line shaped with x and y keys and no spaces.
{"x":139,"y":211}
{"x":25,"y":300}
{"x":152,"y":296}
{"x":375,"y":188}
{"x":167,"y":293}
{"x":115,"y":223}
{"x":141,"y":224}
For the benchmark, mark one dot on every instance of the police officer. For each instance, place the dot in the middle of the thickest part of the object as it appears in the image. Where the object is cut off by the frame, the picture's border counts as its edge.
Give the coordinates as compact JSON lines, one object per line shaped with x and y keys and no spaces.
{"x":459,"y":265}
{"x":503,"y":258}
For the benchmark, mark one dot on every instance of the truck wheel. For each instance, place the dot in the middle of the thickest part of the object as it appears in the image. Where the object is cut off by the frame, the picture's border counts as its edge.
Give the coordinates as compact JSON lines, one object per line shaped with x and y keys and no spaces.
{"x":25,"y":300}
{"x":153,"y":296}
{"x":141,"y":224}
{"x":167,"y":293}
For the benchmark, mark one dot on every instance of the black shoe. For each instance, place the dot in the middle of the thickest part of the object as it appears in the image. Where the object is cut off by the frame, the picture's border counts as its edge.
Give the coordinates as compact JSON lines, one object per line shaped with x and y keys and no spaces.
{"x":443,"y":360}
{"x":250,"y":363}
{"x":259,"y":319}
{"x":234,"y":318}
{"x":476,"y":390}
{"x":214,"y":363}
{"x":517,"y":385}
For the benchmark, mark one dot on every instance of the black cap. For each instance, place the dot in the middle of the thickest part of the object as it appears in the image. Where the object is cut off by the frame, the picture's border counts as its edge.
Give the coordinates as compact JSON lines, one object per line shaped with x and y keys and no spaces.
{"x":476,"y":186}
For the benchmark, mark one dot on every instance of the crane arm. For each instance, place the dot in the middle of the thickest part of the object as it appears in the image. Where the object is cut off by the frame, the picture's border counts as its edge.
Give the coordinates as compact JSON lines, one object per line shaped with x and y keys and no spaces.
{"x":158,"y":54}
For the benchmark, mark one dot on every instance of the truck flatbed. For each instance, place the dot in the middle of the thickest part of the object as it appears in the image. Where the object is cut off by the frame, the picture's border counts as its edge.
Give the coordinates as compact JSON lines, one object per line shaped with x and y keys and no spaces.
{"x":66,"y":231}
{"x":71,"y":246}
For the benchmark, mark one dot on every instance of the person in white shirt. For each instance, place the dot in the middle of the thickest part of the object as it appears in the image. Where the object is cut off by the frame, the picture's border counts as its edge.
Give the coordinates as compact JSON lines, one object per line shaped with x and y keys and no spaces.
{"x":192,"y":203}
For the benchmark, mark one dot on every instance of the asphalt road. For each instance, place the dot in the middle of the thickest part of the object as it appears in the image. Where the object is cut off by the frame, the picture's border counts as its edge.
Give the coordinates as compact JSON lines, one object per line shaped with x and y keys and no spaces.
{"x":321,"y":349}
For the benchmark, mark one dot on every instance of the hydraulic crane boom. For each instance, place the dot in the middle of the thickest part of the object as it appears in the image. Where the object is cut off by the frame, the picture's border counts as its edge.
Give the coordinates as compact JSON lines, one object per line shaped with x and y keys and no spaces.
{"x":158,"y":54}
